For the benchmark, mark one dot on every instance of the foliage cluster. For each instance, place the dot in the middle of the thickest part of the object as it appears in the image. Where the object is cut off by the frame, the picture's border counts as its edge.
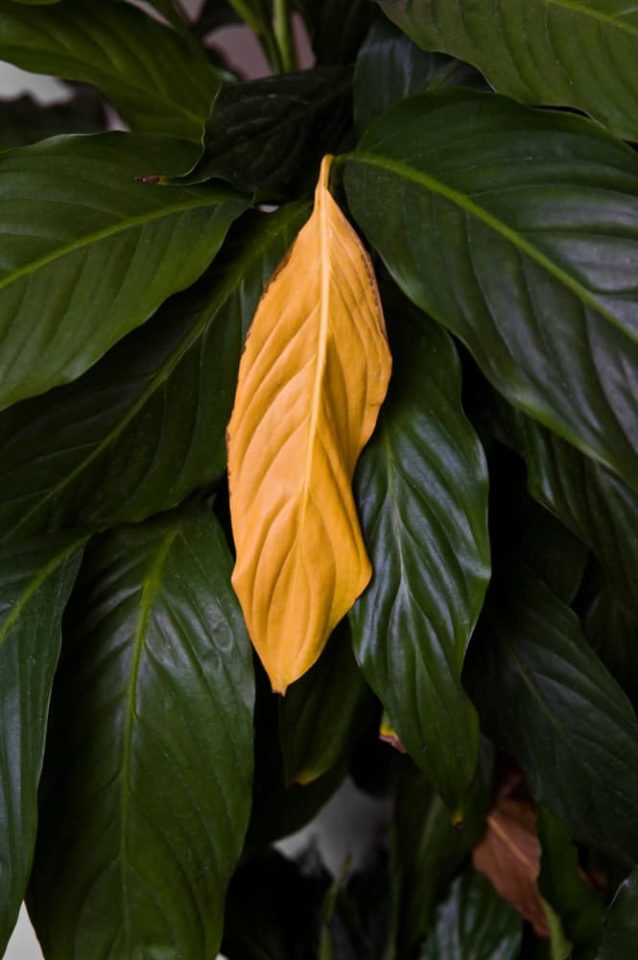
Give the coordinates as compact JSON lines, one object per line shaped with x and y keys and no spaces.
{"x":483,"y":152}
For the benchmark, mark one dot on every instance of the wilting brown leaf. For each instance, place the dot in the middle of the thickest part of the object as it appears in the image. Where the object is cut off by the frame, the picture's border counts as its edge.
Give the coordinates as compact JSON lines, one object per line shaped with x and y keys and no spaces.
{"x":312,"y":378}
{"x":509,"y":855}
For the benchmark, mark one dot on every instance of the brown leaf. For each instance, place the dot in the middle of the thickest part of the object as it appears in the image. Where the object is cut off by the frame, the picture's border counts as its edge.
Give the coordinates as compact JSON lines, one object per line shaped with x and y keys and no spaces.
{"x":509,"y":855}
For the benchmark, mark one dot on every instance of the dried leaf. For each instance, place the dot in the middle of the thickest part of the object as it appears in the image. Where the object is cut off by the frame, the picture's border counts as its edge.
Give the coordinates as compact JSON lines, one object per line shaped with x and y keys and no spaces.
{"x":509,"y":855}
{"x":312,"y":378}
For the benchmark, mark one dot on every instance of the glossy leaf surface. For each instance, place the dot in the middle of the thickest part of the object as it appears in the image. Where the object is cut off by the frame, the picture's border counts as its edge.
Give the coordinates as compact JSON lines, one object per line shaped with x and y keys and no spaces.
{"x":547,"y":698}
{"x":36,"y":579}
{"x":579,"y":53}
{"x":311,"y":380}
{"x":421,"y":489}
{"x":427,"y":849}
{"x":613,"y":633}
{"x":533,"y":266}
{"x":390,"y":67}
{"x":336,"y":29}
{"x":590,"y":499}
{"x":263,"y":134}
{"x":146,"y":789}
{"x":147,"y":424}
{"x":322,"y":713}
{"x":621,"y":922}
{"x":474,"y":924}
{"x":87,"y":253}
{"x":147,"y":71}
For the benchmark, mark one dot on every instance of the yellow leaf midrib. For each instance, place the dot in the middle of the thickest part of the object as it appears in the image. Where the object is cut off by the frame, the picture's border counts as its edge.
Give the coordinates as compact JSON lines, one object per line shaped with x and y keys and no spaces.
{"x":322,"y":335}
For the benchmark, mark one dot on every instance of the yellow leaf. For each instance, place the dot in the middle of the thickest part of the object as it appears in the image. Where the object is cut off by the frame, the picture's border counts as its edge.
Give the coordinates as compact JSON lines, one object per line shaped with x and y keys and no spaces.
{"x":312,"y":378}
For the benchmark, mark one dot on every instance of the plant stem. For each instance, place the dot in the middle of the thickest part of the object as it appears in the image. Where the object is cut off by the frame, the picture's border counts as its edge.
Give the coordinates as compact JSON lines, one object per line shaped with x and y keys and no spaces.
{"x":282,"y":28}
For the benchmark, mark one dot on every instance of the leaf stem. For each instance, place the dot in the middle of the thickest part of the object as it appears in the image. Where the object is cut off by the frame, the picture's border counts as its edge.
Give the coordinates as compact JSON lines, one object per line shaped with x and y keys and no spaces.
{"x":282,"y":28}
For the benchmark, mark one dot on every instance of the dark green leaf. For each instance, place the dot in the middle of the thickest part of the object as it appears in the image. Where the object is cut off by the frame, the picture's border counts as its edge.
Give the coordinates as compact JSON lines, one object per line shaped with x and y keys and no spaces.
{"x":321,"y":714}
{"x":280,"y":808}
{"x":336,"y":28}
{"x":263,"y":134}
{"x":614,"y":636}
{"x":427,"y":849}
{"x":590,"y":499}
{"x":562,"y":884}
{"x":554,"y":553}
{"x":532,"y":264}
{"x":255,"y":13}
{"x":87,"y":253}
{"x":146,"y":425}
{"x":474,"y":924}
{"x":390,"y":67}
{"x":35,"y":581}
{"x":621,"y":922}
{"x":568,"y":52}
{"x":25,"y":120}
{"x":146,"y":787}
{"x":148,"y":72}
{"x":545,"y":696}
{"x":421,"y":488}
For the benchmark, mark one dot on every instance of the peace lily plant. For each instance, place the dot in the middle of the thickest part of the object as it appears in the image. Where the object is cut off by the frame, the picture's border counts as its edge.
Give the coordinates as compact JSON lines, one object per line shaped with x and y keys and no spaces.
{"x":344,"y":362}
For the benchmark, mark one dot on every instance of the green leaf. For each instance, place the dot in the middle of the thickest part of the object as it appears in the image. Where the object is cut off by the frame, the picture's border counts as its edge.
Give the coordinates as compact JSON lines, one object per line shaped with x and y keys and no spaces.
{"x":614,"y":636}
{"x":321,"y":714}
{"x":620,"y":932}
{"x":147,"y":424}
{"x":35,"y":581}
{"x":532,"y":265}
{"x":336,"y":29}
{"x":88,"y":253}
{"x":263,"y":134}
{"x":544,"y":540}
{"x":146,"y":787}
{"x":427,"y":848}
{"x":544,"y":695}
{"x":255,"y":13}
{"x":24,"y":120}
{"x":280,"y":808}
{"x":145,"y":69}
{"x":561,"y":883}
{"x":421,"y":488}
{"x":590,"y":499}
{"x":474,"y":924}
{"x":579,"y":53}
{"x":390,"y":67}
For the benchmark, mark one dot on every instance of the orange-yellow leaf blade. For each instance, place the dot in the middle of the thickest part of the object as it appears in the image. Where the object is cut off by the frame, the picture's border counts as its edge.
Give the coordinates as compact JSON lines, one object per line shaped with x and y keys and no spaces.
{"x":312,"y":378}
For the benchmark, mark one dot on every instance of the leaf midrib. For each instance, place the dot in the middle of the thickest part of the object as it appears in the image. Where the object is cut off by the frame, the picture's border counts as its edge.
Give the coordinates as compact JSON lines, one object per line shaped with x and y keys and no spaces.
{"x":256,"y":250}
{"x":34,"y":585}
{"x":151,"y":586}
{"x":584,"y":11}
{"x":469,"y":206}
{"x":112,"y":230}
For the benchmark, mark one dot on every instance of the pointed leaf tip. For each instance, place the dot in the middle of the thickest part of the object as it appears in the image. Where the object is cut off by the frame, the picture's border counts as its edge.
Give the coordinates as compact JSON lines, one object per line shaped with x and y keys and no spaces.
{"x":311,"y":381}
